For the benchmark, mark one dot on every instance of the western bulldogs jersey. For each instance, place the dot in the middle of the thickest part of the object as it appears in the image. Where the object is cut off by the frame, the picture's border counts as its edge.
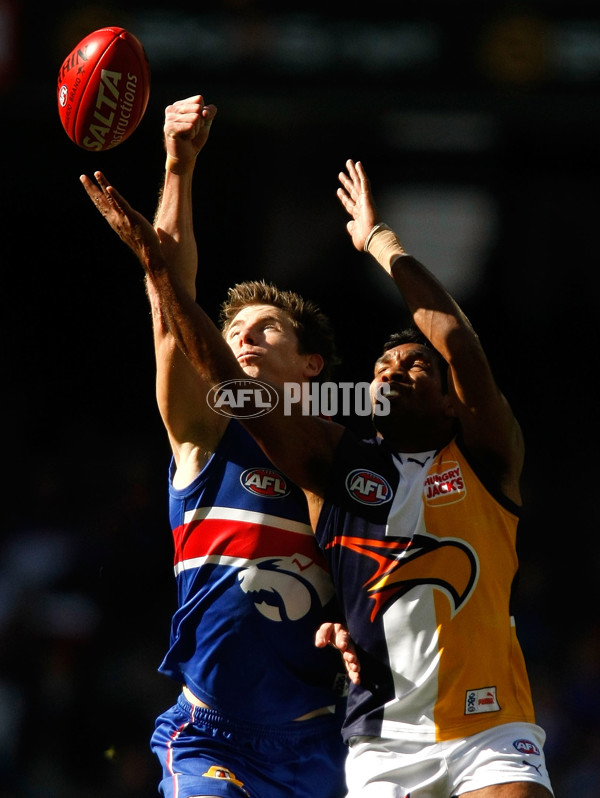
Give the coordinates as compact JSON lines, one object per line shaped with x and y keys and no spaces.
{"x":253,"y":588}
{"x":423,"y":559}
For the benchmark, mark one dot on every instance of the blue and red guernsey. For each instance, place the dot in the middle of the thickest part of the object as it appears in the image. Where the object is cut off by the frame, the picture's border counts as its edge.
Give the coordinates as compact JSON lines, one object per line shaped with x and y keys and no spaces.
{"x":253,"y":588}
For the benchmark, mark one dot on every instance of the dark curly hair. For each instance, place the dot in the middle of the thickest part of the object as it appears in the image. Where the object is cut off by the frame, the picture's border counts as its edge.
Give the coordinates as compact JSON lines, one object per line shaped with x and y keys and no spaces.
{"x":412,"y":335}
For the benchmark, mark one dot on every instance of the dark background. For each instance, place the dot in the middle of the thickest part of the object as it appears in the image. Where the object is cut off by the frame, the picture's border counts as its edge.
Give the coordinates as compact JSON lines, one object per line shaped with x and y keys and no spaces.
{"x":479,"y":125}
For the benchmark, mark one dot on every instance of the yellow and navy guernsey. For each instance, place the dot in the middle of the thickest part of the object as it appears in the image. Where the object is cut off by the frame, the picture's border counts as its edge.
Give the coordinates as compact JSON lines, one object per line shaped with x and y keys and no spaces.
{"x":422,"y":555}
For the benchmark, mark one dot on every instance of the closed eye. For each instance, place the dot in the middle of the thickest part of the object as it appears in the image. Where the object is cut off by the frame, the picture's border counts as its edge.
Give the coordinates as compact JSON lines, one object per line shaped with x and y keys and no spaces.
{"x":424,"y":365}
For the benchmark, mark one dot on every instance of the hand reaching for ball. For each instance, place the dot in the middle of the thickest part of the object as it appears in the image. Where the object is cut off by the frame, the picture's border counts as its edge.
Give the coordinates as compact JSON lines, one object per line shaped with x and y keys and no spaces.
{"x":130,"y":225}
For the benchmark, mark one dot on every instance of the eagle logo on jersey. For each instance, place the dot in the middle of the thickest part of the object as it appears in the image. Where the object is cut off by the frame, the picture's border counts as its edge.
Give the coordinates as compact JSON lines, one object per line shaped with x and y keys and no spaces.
{"x":286,"y":588}
{"x":447,"y":564}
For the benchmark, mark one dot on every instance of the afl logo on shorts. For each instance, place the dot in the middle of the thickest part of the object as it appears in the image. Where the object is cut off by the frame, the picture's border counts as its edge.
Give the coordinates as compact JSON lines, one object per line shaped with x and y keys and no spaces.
{"x":265,"y":482}
{"x":367,"y":487}
{"x":526,"y":747}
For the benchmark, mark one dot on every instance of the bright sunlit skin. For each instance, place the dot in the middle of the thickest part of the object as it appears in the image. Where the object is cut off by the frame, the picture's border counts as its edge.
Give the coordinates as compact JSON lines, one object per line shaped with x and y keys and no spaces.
{"x":265,"y":344}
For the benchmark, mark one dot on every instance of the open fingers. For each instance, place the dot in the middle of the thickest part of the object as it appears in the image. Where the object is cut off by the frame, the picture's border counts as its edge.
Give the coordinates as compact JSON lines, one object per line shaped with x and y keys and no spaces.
{"x":95,"y":191}
{"x":347,"y":182}
{"x":109,"y":202}
{"x":346,"y":200}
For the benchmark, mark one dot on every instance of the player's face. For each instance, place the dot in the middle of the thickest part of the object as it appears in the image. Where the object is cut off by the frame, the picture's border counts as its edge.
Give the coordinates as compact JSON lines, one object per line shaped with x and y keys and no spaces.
{"x":265,"y":344}
{"x":410,"y":374}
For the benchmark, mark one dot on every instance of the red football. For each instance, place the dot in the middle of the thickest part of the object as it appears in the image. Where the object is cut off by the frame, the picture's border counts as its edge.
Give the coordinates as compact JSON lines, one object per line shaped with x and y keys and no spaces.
{"x":103,"y":89}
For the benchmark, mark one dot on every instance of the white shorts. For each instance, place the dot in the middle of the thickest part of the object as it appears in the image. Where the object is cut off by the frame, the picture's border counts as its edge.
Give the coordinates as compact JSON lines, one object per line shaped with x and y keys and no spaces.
{"x":379,"y":767}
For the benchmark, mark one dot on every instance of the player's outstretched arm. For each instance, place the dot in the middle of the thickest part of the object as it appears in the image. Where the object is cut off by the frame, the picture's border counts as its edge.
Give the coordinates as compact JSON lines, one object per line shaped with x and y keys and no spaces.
{"x":179,"y":392}
{"x":197,"y":430}
{"x":132,"y":227}
{"x":489,"y":427}
{"x":302,"y":446}
{"x":193,"y":329}
{"x":186,"y":130}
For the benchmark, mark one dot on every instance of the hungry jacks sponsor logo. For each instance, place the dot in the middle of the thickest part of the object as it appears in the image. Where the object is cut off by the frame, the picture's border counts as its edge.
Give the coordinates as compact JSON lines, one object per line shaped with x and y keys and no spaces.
{"x":445,"y":485}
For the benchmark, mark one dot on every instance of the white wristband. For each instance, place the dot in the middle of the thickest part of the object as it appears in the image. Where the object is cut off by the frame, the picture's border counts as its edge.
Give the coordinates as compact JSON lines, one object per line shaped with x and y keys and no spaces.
{"x":384,"y":245}
{"x":376,"y":229}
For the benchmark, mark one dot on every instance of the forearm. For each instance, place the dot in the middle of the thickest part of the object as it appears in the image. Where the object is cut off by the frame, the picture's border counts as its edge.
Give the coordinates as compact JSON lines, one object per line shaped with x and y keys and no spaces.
{"x":194,"y":331}
{"x":174,"y":219}
{"x":433,"y":309}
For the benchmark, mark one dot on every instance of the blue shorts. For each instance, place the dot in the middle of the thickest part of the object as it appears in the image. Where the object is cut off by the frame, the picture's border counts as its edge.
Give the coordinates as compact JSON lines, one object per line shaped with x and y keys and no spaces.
{"x":204,"y":753}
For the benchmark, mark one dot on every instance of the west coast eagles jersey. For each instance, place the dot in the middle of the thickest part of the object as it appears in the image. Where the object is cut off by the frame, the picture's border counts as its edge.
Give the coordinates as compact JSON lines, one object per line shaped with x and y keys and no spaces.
{"x":423,"y":559}
{"x":253,"y":588}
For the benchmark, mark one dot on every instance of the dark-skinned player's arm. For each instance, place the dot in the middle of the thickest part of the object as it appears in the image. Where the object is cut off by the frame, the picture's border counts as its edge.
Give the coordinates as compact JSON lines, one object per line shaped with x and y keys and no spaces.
{"x":489,"y":427}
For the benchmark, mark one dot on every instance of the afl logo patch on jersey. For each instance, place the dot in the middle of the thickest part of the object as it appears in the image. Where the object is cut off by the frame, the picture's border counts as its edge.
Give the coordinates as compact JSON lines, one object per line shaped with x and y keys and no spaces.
{"x":265,"y":482}
{"x":367,"y":487}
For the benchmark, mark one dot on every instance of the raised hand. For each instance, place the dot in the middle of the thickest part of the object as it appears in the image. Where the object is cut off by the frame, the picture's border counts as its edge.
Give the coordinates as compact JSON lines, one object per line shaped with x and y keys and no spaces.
{"x":186,"y":129}
{"x":131,"y":226}
{"x":356,"y":198}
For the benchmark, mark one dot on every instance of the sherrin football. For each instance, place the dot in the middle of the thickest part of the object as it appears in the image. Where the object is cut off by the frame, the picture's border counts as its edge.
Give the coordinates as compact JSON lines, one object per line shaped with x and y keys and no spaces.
{"x":103,"y":89}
